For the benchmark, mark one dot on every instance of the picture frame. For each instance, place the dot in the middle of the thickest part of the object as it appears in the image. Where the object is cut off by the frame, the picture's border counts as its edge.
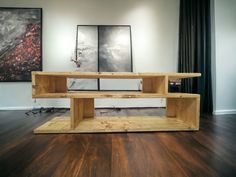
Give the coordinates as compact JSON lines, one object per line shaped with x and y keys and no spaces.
{"x":21,"y":46}
{"x":113,"y":45}
{"x":116,"y":56}
{"x":115,"y":38}
{"x":86,"y":53}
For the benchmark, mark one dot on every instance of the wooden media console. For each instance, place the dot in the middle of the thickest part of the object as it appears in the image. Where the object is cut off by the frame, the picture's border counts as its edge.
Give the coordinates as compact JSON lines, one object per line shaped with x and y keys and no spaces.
{"x":182,"y":109}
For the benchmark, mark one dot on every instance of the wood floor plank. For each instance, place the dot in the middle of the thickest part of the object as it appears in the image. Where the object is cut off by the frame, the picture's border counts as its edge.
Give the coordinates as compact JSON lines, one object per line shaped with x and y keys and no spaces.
{"x":209,"y":152}
{"x":145,"y":156}
{"x":195,"y":158}
{"x":120,"y":165}
{"x":97,"y":160}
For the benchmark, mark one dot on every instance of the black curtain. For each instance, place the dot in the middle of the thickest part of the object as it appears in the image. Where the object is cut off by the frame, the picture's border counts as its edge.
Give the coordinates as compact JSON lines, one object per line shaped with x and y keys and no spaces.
{"x":195,"y":49}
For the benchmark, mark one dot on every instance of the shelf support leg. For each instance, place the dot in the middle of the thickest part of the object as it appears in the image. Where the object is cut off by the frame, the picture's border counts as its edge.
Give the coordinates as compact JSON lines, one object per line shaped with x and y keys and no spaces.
{"x":76,"y":111}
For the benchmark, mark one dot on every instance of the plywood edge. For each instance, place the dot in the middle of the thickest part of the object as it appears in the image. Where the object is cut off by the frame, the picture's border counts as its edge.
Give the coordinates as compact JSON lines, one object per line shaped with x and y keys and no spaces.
{"x":128,"y":75}
{"x":109,"y":94}
{"x":182,"y":75}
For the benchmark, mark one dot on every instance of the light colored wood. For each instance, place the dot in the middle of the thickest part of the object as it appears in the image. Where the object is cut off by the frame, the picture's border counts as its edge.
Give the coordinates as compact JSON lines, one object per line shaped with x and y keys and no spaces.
{"x":89,"y":110}
{"x":182,"y":109}
{"x":171,"y":107}
{"x":34,"y":90}
{"x":81,"y":108}
{"x":185,"y":109}
{"x":42,"y":84}
{"x":190,"y":110}
{"x":48,"y":84}
{"x":113,"y":94}
{"x":119,"y":75}
{"x":114,"y":124}
{"x":60,"y":84}
{"x":77,"y":108}
{"x":155,"y":85}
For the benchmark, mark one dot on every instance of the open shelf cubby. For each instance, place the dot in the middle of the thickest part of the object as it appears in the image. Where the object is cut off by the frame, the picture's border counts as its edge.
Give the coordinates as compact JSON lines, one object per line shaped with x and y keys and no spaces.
{"x":182,"y":109}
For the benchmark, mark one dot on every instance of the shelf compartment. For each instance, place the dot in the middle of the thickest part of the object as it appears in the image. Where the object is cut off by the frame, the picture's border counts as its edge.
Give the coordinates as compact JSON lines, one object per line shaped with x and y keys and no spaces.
{"x":56,"y":82}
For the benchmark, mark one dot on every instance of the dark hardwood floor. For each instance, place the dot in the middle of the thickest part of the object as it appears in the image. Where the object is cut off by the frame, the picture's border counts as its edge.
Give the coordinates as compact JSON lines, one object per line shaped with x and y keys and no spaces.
{"x":208,"y":152}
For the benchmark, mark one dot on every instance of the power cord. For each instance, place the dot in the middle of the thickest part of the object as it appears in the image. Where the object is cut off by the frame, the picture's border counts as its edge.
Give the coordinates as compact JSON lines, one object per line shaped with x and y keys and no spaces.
{"x":45,"y":110}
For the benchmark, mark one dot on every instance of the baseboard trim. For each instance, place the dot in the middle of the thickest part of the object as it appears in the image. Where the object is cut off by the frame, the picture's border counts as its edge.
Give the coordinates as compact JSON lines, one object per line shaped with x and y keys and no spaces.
{"x":18,"y":108}
{"x":226,"y":111}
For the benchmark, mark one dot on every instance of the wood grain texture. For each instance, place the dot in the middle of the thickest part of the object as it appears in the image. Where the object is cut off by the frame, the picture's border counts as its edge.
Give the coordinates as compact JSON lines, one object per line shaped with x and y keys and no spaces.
{"x":121,"y":75}
{"x":81,"y":108}
{"x":210,"y":152}
{"x":60,"y":84}
{"x":89,"y":109}
{"x":77,"y":111}
{"x":53,"y":84}
{"x":171,"y":107}
{"x":113,"y":94}
{"x":42,"y":84}
{"x":114,"y":124}
{"x":186,"y":110}
{"x":155,"y":85}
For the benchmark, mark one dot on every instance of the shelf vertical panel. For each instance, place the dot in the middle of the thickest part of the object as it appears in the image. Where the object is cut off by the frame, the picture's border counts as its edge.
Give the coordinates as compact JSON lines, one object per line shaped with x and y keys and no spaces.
{"x":76,"y":110}
{"x":60,"y":84}
{"x":171,"y":107}
{"x":155,"y":85}
{"x":88,"y":108}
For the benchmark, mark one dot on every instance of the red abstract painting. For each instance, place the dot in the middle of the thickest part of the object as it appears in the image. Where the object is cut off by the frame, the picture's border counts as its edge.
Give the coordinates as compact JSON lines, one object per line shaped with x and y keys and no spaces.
{"x":21,"y":50}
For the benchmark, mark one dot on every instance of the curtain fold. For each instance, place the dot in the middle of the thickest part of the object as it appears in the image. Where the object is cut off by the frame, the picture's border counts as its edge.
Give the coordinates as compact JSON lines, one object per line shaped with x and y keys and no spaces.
{"x":195,"y":49}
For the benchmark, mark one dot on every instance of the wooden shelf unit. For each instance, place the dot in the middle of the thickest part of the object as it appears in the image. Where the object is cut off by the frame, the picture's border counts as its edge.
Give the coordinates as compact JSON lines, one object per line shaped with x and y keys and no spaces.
{"x":182,"y":109}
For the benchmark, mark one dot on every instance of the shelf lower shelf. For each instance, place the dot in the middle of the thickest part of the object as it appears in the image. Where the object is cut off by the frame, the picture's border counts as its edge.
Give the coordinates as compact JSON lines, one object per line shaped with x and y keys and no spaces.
{"x":115,"y":124}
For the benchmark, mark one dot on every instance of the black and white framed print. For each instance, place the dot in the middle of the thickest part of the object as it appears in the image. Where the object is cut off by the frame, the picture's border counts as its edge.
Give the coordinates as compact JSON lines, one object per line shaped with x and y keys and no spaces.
{"x":101,"y":48}
{"x":115,"y":55}
{"x":114,"y":49}
{"x":87,"y":56}
{"x":21,"y":43}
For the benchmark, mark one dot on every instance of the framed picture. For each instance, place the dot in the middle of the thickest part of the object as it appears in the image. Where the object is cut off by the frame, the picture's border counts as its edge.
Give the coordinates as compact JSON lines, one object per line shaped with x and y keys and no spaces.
{"x":115,"y":54}
{"x":102,"y":48}
{"x":87,"y":55}
{"x":21,"y":43}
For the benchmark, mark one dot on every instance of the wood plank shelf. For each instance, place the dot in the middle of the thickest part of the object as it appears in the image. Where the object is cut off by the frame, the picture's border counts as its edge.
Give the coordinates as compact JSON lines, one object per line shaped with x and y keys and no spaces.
{"x":111,"y":94}
{"x":118,"y":75}
{"x":114,"y":124}
{"x":182,"y":109}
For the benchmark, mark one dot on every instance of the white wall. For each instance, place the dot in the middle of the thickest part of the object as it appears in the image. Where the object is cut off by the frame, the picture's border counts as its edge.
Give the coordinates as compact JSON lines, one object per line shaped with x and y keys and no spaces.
{"x":154,"y":26}
{"x":225,"y":56}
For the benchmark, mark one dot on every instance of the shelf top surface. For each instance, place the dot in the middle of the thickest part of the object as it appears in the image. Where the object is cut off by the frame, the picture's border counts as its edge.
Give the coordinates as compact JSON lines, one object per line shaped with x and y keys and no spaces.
{"x":124,"y":75}
{"x":114,"y":94}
